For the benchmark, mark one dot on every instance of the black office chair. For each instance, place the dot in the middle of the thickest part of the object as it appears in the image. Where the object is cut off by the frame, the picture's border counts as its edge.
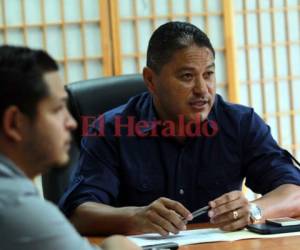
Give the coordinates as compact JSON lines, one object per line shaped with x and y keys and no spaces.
{"x":89,"y":97}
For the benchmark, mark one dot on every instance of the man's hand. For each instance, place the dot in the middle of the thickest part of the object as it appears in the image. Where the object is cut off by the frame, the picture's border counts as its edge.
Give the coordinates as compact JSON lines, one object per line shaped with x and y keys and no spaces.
{"x":161,"y":216}
{"x":118,"y":242}
{"x":230,"y":211}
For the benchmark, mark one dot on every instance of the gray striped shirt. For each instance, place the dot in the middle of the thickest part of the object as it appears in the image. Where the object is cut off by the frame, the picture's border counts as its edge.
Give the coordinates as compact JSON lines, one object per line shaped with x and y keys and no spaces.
{"x":29,"y":222}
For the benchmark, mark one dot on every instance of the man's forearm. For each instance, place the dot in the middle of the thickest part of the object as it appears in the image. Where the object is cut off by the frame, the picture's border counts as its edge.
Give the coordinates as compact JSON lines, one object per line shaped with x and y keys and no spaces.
{"x":92,"y":218}
{"x":281,"y":202}
{"x":162,"y":216}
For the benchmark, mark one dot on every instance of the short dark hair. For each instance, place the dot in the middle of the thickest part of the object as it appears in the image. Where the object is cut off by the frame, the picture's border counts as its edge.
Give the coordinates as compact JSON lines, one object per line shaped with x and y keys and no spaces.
{"x":22,"y":78}
{"x":169,"y":38}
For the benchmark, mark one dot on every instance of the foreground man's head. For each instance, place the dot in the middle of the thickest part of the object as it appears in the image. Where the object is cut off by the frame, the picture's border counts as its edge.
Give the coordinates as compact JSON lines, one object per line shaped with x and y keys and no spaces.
{"x":35,"y":123}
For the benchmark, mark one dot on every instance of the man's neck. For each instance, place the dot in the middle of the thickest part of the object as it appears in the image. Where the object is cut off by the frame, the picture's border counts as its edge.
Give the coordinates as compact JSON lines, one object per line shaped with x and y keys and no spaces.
{"x":20,"y":161}
{"x":27,"y":169}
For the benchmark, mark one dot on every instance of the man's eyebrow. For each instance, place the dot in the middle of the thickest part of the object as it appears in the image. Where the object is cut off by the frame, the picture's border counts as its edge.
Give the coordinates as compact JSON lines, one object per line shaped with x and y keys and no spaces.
{"x":186,"y":68}
{"x":211,"y":65}
{"x":192,"y":68}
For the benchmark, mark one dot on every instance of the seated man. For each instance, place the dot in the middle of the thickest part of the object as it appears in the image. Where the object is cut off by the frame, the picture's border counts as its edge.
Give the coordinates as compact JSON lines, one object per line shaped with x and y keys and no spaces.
{"x":146,"y":165}
{"x":35,"y":128}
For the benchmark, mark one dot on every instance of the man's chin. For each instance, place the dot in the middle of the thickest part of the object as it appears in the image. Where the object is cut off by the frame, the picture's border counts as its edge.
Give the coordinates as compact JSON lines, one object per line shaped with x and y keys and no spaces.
{"x":63,"y":162}
{"x":197,"y":118}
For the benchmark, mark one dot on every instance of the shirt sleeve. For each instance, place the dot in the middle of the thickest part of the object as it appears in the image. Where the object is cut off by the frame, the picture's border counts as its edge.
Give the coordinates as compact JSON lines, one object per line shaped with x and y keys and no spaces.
{"x":96,"y":177}
{"x":266,"y":165}
{"x":28,"y":222}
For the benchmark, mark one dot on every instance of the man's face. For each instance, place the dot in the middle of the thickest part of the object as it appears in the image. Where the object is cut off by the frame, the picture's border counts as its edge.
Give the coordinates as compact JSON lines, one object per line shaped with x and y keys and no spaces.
{"x":186,"y":85}
{"x":50,"y":131}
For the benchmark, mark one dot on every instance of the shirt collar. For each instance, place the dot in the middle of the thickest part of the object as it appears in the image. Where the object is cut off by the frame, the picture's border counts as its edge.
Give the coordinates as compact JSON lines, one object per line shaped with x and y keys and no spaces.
{"x":148,"y":113}
{"x":212,"y":114}
{"x":8,"y":168}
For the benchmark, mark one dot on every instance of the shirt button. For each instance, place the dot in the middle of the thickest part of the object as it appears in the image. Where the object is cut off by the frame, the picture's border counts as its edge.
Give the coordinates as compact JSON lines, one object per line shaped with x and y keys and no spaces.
{"x":181,"y":191}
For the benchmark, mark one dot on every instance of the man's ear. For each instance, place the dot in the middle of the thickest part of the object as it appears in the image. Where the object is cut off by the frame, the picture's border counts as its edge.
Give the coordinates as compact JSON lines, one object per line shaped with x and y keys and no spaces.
{"x":149,"y":75}
{"x":13,"y":123}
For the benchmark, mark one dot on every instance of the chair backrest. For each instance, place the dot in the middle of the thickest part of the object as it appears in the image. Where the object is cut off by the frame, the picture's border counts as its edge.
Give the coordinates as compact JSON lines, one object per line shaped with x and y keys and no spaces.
{"x":89,"y":98}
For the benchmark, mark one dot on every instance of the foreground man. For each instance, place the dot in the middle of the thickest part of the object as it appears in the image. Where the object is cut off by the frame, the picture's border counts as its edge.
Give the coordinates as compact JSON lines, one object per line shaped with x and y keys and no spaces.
{"x":35,"y":128}
{"x":150,"y":182}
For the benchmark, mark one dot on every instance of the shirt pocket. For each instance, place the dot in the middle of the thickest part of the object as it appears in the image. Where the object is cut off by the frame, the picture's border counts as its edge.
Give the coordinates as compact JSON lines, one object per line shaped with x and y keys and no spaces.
{"x":143,"y":187}
{"x":212,"y":183}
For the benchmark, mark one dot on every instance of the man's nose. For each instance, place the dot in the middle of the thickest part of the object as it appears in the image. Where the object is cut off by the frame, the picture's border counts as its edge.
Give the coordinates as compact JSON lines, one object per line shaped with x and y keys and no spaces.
{"x":200,"y":86}
{"x":71,"y":122}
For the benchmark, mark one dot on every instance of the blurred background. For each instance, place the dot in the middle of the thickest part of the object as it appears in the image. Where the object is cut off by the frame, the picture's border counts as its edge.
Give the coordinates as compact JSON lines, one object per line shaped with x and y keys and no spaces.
{"x":257,"y":45}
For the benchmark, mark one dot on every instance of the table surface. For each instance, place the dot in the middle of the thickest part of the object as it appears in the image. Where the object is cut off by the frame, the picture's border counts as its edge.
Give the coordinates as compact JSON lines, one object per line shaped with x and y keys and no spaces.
{"x":283,"y":243}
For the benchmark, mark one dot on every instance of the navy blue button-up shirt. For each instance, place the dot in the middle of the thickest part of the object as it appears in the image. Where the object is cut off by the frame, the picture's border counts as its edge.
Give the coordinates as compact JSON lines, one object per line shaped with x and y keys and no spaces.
{"x":136,"y":170}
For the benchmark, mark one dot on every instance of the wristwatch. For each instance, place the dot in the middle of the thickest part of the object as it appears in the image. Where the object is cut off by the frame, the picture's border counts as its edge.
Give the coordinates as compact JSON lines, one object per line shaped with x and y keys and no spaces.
{"x":255,"y":213}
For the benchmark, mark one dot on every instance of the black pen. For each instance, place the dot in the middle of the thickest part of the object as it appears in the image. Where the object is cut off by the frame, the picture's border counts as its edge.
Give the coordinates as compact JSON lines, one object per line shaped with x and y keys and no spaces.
{"x":162,"y":246}
{"x":198,"y":212}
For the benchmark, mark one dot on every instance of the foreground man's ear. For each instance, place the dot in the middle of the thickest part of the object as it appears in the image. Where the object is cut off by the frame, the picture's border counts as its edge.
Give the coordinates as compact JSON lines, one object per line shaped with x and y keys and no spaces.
{"x":12,"y":123}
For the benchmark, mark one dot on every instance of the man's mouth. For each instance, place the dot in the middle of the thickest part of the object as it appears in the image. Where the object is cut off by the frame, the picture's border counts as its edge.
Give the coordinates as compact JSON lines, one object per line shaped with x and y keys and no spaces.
{"x":198,"y":104}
